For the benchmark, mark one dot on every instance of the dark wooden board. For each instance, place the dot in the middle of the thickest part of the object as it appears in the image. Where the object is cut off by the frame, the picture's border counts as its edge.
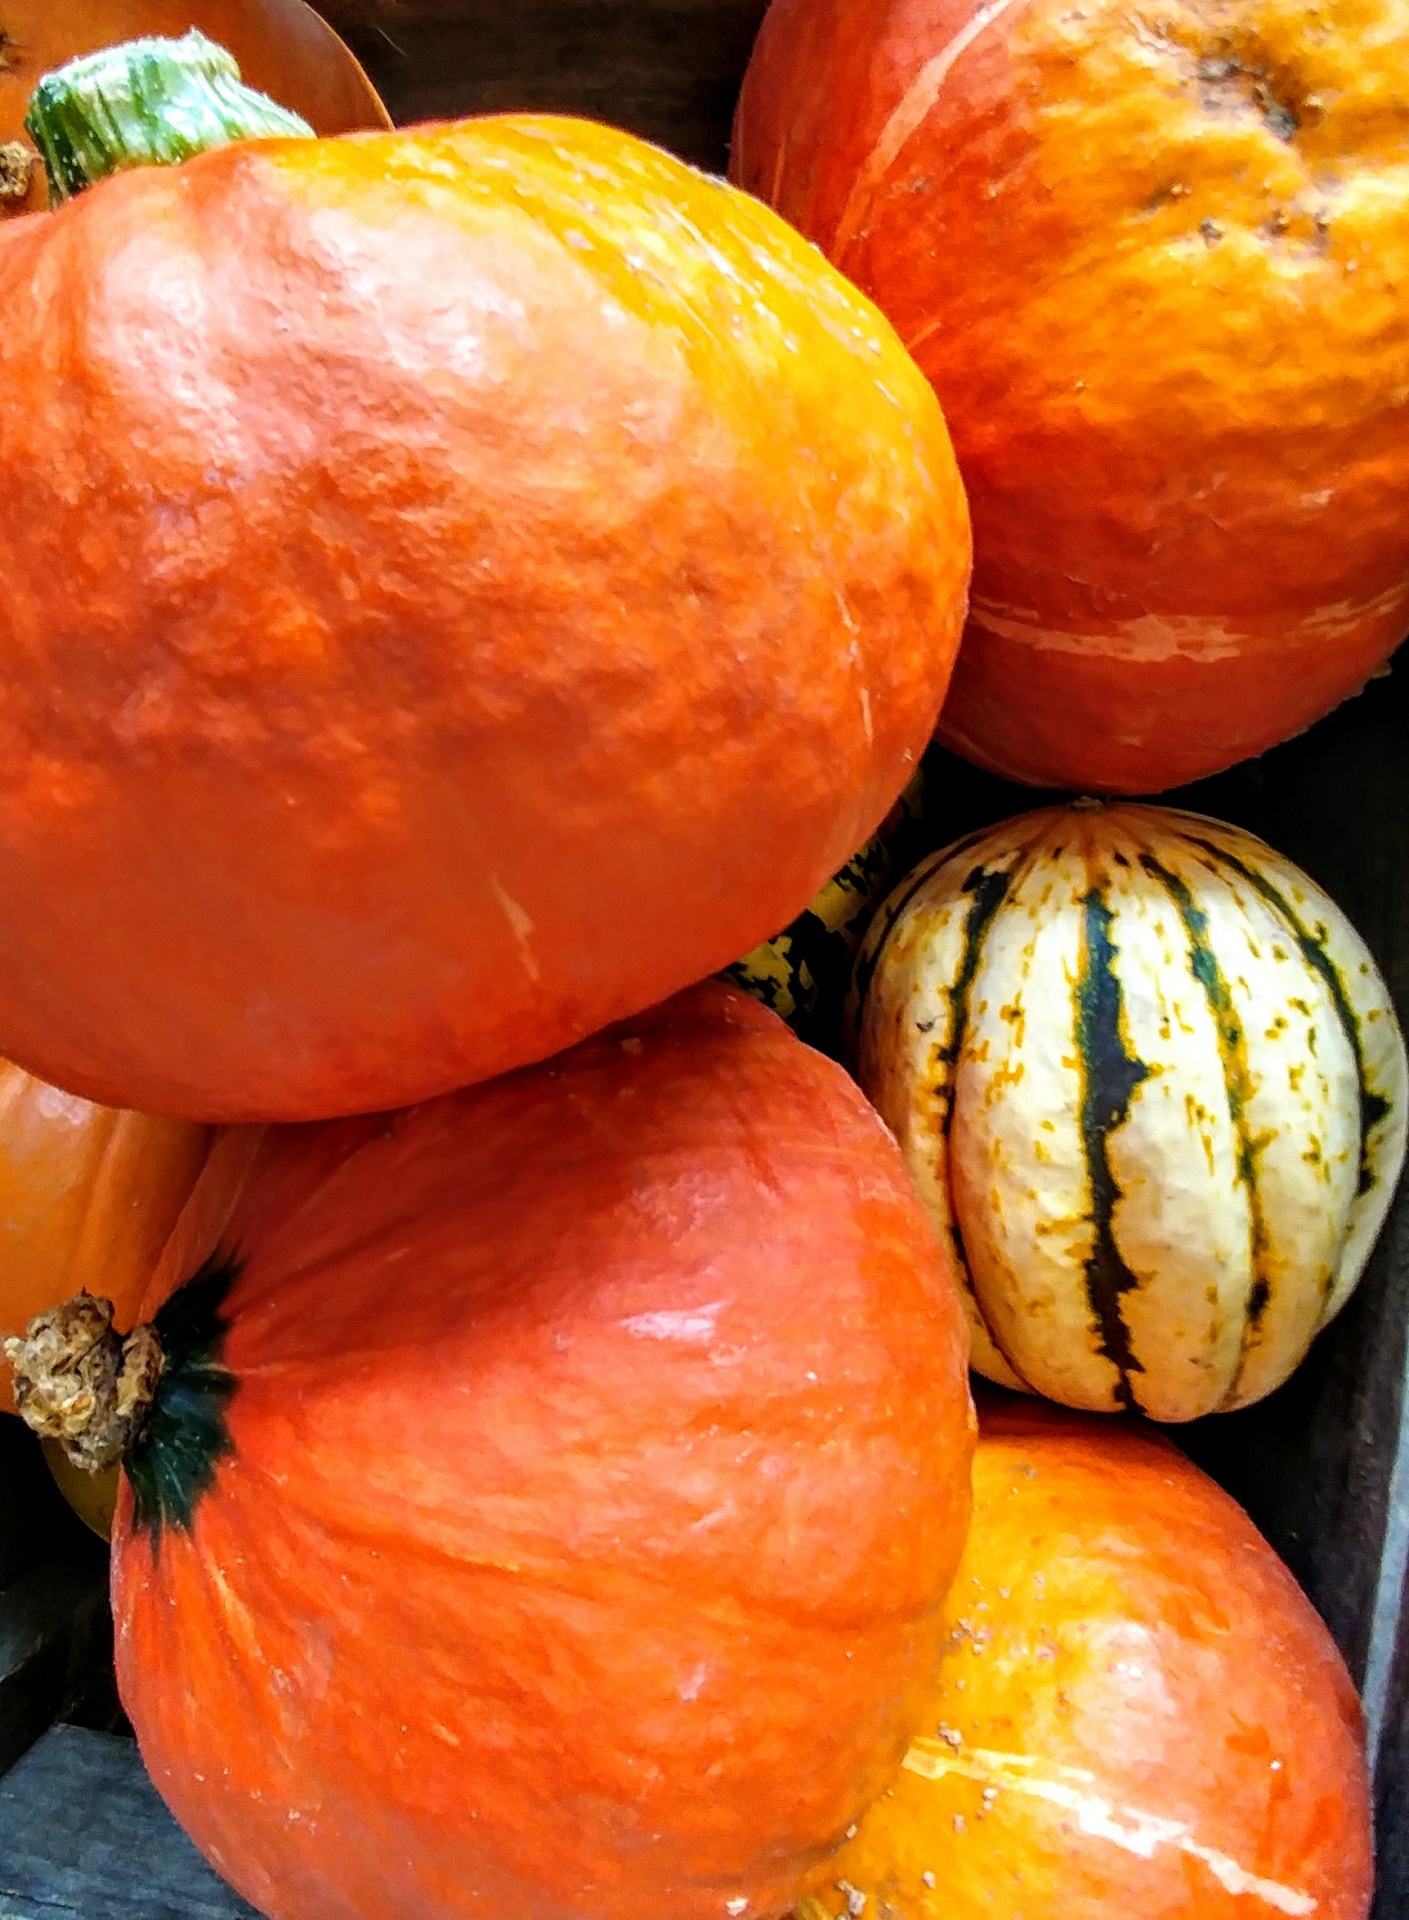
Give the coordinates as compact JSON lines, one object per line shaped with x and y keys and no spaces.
{"x":668,"y":70}
{"x":84,"y":1836}
{"x":55,"y":1628}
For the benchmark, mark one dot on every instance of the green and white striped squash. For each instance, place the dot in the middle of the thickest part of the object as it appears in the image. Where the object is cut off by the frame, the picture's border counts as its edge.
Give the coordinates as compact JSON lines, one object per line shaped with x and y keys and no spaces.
{"x":1150,"y":1084}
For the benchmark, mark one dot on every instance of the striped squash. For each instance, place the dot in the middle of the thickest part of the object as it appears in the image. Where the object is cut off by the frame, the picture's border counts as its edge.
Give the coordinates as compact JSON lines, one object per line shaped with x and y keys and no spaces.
{"x":1150,"y":1083}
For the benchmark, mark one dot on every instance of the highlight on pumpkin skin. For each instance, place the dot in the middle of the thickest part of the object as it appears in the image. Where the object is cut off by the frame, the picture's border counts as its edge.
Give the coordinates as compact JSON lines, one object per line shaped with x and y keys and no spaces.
{"x":1152,"y":1087}
{"x":1138,"y":1712}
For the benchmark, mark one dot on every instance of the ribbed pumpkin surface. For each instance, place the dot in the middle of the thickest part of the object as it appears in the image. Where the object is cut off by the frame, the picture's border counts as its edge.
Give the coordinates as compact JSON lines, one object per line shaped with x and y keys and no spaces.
{"x":552,"y":1490}
{"x":1149,"y":1079}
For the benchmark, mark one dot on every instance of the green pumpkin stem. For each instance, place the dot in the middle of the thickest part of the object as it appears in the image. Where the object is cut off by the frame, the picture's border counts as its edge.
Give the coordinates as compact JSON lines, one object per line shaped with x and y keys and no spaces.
{"x":142,"y":104}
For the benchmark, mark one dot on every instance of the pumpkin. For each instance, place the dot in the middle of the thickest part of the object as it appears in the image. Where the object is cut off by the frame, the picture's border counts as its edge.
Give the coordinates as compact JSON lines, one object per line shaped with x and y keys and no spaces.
{"x":88,"y":1197}
{"x":1151,"y":1084}
{"x":93,"y":1496}
{"x":803,"y":973}
{"x":1154,"y":258}
{"x":1139,"y":1713}
{"x":537,"y":1477}
{"x":536,"y":573}
{"x":282,"y":46}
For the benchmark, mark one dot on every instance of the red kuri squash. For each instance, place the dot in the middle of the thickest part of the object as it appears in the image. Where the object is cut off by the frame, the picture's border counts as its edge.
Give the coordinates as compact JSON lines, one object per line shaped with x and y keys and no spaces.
{"x":550,"y":1491}
{"x":1139,"y":1716}
{"x":469,"y":583}
{"x":1154,"y":255}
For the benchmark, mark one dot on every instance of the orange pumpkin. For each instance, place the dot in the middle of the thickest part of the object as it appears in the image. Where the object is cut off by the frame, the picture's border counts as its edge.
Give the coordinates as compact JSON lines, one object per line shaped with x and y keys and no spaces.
{"x":282,"y":47}
{"x":1155,"y":258}
{"x":551,"y":1490}
{"x":530,"y":580}
{"x":1139,"y":1712}
{"x":88,"y":1197}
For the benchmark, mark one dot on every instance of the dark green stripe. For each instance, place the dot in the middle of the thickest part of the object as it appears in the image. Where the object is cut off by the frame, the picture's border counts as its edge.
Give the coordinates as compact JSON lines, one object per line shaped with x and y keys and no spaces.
{"x":1374,"y":1107}
{"x":1237,"y":1078}
{"x":884,"y":923}
{"x":1110,"y":1073}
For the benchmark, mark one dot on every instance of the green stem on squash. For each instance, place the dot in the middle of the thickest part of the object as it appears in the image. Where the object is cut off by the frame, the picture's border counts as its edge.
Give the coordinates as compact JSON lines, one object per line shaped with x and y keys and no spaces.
{"x":145,"y":103}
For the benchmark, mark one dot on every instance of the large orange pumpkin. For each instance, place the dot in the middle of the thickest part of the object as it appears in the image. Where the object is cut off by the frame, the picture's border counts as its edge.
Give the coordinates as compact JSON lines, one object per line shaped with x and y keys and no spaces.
{"x":551,"y":1490}
{"x":88,"y":1197}
{"x":282,"y":47}
{"x":1155,"y":258}
{"x":1139,"y":1713}
{"x":468,"y":583}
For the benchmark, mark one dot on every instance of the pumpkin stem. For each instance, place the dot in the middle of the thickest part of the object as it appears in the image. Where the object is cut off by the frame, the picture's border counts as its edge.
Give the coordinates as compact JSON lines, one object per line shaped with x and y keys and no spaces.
{"x":80,"y":1382}
{"x":142,"y":104}
{"x":16,"y":165}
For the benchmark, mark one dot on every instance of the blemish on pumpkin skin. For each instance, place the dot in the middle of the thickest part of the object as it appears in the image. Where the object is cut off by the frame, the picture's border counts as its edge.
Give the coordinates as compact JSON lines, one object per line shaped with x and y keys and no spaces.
{"x":1069,"y":1788}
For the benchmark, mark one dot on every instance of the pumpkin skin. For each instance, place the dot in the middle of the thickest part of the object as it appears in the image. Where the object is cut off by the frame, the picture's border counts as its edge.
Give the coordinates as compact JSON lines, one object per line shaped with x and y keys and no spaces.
{"x":1150,"y":1081}
{"x":1139,"y":1712}
{"x":88,"y":1198}
{"x":598,"y":1443}
{"x":283,"y":48}
{"x":93,"y":1496}
{"x":1153,"y":258}
{"x":438,"y":705}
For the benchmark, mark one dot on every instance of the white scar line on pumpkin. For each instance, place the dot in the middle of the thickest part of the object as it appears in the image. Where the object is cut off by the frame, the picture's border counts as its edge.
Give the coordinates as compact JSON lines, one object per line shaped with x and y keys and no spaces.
{"x":520,"y":924}
{"x":906,"y":118}
{"x":1139,"y":1833}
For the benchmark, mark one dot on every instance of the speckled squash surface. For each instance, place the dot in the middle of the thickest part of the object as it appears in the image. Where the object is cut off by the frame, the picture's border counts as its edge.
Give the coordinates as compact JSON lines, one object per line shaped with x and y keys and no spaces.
{"x":1151,"y":1084}
{"x":1139,"y":1716}
{"x":549,"y":1500}
{"x":532,"y":576}
{"x":88,"y":1197}
{"x":1155,"y":258}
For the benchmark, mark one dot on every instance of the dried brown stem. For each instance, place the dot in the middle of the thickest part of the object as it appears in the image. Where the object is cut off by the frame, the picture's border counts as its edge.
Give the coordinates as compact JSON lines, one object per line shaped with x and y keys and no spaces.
{"x":80,"y":1382}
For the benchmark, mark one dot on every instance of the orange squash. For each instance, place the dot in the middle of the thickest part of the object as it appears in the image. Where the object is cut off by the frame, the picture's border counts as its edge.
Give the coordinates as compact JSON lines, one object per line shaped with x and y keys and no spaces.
{"x":536,"y":573}
{"x":283,"y":48}
{"x":1155,"y":258}
{"x":1139,"y":1713}
{"x":551,"y":1490}
{"x":88,"y":1197}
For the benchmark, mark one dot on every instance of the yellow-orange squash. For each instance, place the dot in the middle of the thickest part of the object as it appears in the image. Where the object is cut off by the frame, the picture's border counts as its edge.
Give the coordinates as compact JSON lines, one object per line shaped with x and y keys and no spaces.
{"x":1139,"y":1716}
{"x":1154,"y":255}
{"x":468,"y":583}
{"x":283,"y":49}
{"x":88,"y":1197}
{"x":549,"y":1498}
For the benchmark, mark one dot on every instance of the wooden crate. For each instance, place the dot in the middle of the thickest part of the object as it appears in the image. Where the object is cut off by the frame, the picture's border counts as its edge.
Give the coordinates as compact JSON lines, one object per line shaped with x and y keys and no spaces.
{"x":1322,"y":1466}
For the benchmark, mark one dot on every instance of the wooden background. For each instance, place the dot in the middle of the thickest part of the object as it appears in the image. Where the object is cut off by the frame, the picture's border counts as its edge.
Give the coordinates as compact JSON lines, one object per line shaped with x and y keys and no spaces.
{"x":1323,"y":1466}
